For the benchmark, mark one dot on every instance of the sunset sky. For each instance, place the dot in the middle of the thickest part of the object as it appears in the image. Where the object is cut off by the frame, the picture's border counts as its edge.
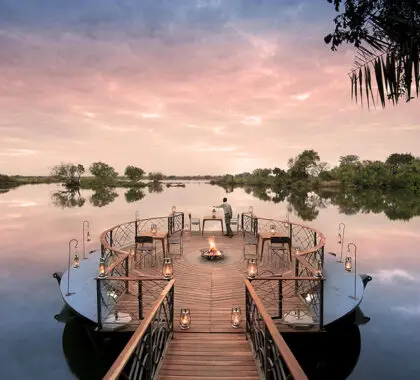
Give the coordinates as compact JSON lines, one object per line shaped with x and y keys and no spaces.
{"x":182,"y":87}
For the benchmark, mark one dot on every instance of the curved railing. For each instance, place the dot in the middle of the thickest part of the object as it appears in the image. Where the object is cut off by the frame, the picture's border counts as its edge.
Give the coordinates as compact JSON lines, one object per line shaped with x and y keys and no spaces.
{"x":298,"y":296}
{"x":117,"y":281}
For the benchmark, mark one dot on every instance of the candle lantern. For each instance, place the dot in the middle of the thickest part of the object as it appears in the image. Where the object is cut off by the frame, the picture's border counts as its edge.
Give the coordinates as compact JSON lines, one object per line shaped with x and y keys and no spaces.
{"x":168,"y":268}
{"x":88,"y":239}
{"x":213,"y":213}
{"x":76,"y":261}
{"x":348,"y":265}
{"x":173,"y":209}
{"x":153,"y":229}
{"x":251,"y":210}
{"x":273,"y":229}
{"x":252,"y":269}
{"x":236,"y":317}
{"x":185,"y":319}
{"x":101,"y":267}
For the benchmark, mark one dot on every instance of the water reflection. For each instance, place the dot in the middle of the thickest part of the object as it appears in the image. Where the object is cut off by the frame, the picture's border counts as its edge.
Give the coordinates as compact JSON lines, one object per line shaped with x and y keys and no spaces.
{"x":305,"y":204}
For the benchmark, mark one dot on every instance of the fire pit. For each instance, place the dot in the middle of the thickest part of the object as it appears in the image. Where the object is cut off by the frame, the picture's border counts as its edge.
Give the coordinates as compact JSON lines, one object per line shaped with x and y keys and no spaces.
{"x":212,"y":253}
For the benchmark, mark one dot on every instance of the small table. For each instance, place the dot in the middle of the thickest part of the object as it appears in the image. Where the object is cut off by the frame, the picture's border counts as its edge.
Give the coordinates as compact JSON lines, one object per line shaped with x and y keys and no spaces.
{"x":267,"y":236}
{"x":157,"y":236}
{"x":216,"y":218}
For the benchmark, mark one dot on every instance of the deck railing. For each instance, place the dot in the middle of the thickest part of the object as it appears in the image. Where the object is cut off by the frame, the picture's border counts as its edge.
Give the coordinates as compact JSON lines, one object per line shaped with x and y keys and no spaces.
{"x":143,"y":353}
{"x":275,"y":359}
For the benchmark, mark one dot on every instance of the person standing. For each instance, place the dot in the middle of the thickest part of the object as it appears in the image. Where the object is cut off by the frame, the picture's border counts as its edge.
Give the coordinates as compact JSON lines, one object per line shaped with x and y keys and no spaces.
{"x":228,"y":216}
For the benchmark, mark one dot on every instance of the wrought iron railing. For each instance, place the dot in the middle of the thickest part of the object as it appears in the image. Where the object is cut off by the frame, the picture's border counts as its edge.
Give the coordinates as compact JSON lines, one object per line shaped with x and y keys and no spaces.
{"x":275,"y":359}
{"x":144,"y":351}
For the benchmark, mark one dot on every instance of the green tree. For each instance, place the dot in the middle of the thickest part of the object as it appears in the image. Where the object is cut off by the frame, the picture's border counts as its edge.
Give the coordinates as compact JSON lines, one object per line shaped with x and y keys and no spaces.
{"x":133,"y":173}
{"x":386,"y":34}
{"x":156,"y":176}
{"x":350,"y":159}
{"x":300,"y":166}
{"x":103,"y":171}
{"x":68,"y":173}
{"x":396,"y":160}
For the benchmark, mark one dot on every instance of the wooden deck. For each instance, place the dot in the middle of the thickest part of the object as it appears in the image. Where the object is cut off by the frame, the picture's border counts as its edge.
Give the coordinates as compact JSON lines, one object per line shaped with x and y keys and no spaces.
{"x":209,"y":356}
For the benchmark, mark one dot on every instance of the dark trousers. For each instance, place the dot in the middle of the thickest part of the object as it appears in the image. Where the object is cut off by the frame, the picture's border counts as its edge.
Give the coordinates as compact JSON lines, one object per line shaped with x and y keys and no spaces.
{"x":227,"y":221}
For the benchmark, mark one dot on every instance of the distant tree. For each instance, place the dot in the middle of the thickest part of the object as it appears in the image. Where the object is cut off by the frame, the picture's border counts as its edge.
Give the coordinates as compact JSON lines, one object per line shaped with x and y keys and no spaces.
{"x":103,"y":171}
{"x":386,"y":34}
{"x":397,"y":159}
{"x":156,"y":176}
{"x":300,"y":166}
{"x":133,"y":173}
{"x":68,"y":173}
{"x":350,"y":159}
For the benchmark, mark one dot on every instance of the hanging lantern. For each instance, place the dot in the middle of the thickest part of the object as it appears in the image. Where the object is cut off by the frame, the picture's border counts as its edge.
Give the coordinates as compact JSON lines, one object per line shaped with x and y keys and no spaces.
{"x":185,"y":319}
{"x":252,"y":269}
{"x":101,"y":267}
{"x":273,"y":229}
{"x":213,"y":213}
{"x":76,"y":261}
{"x":88,"y":237}
{"x":236,"y":317}
{"x":251,"y":210}
{"x":168,"y":268}
{"x":339,"y":238}
{"x":173,"y":209}
{"x":153,"y":229}
{"x":347,"y":265}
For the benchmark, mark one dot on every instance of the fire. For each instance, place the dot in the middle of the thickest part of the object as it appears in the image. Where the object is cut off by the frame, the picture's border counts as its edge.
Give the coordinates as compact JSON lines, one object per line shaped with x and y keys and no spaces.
{"x":213,"y":249}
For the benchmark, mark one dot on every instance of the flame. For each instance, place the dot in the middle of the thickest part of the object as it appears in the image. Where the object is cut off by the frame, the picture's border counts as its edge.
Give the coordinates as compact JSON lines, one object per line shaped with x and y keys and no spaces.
{"x":212,"y":243}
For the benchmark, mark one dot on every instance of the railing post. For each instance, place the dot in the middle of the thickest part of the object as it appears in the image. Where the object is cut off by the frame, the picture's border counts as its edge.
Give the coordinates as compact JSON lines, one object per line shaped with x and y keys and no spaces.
{"x":321,"y":305}
{"x":315,"y":239}
{"x":172,"y":307}
{"x":135,"y":227}
{"x":280,"y":306}
{"x":266,"y":374}
{"x":110,"y":239}
{"x":140,"y":298}
{"x":98,"y":303}
{"x":127,"y":272}
{"x":149,"y":349}
{"x":246,"y":312}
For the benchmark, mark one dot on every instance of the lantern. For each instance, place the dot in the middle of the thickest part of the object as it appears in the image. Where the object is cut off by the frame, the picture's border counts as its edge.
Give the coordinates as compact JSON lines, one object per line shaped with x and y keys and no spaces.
{"x":236,"y":317}
{"x":88,"y":239}
{"x":347,"y":265}
{"x":273,"y":229}
{"x":252,"y":269}
{"x":251,"y":210}
{"x":185,"y":319}
{"x":153,"y":229}
{"x":339,"y":238}
{"x":168,"y":268}
{"x":101,"y":267}
{"x":76,"y":261}
{"x":213,"y":213}
{"x":173,"y":209}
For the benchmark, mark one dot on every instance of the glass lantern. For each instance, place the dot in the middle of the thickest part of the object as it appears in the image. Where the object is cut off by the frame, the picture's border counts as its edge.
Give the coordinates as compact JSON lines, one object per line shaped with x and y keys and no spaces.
{"x":213,"y":213}
{"x":153,"y":229}
{"x":236,"y":317}
{"x":168,"y":268}
{"x":185,"y":319}
{"x":273,"y":229}
{"x":347,"y":264}
{"x":251,"y":210}
{"x":76,"y":261}
{"x":173,"y":209}
{"x":88,"y":239}
{"x":101,"y":267}
{"x":252,"y":269}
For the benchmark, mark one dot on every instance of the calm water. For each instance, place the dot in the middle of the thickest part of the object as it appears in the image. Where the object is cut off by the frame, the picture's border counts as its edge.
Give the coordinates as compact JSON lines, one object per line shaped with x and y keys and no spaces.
{"x":35,"y":232}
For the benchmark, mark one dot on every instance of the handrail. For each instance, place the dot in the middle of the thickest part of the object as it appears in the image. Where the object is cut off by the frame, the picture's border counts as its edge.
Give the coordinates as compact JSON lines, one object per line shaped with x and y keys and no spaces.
{"x":131,"y":278}
{"x":128,"y":350}
{"x":285,"y":352}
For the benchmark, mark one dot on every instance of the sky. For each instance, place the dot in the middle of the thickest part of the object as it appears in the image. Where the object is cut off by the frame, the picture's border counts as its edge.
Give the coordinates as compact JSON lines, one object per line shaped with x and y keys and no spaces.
{"x":182,"y":87}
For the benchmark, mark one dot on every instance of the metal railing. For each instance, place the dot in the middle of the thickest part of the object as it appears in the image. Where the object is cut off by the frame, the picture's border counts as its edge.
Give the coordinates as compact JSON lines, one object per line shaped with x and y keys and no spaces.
{"x":143,"y":353}
{"x":275,"y":359}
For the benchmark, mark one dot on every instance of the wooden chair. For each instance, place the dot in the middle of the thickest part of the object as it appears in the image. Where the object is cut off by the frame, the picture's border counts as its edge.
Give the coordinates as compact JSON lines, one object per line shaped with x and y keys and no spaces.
{"x":194,"y":222}
{"x":280,"y":246}
{"x":145,"y":247}
{"x":176,"y":238}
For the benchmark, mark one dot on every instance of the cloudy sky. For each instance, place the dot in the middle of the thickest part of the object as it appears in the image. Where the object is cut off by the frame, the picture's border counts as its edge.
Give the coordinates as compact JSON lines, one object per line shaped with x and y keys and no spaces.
{"x":182,"y":87}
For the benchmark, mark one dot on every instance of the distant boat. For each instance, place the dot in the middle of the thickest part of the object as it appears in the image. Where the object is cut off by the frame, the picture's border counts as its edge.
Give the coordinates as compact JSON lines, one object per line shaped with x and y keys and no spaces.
{"x":175,"y":184}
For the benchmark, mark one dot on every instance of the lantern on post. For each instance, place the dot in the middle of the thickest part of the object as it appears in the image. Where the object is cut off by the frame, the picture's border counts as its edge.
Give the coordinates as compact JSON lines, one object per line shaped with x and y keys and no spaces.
{"x":251,"y":210}
{"x":153,"y":229}
{"x":168,"y":268}
{"x":173,"y":209}
{"x":348,"y":265}
{"x":76,"y":261}
{"x":252,"y":269}
{"x":85,"y":237}
{"x":185,"y":319}
{"x":273,"y":229}
{"x":101,"y":267}
{"x":236,"y":317}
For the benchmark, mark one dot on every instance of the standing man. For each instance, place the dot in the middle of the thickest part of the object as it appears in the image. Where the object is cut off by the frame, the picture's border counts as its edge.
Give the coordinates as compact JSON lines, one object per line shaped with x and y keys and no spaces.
{"x":228,"y":216}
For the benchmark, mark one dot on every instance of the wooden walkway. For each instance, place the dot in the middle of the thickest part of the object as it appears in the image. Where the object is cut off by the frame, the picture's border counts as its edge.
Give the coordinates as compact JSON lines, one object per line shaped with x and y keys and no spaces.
{"x":209,"y":356}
